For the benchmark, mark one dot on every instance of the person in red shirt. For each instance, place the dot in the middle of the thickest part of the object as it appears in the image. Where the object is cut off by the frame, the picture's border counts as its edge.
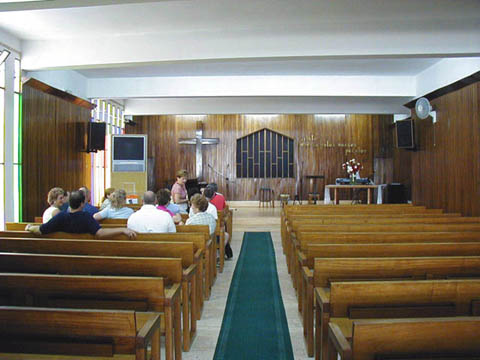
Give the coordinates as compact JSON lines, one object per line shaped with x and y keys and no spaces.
{"x":218,"y":199}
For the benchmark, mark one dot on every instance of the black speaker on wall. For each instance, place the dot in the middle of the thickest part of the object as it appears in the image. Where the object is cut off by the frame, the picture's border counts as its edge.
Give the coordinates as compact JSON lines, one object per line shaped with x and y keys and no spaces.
{"x":96,"y":136}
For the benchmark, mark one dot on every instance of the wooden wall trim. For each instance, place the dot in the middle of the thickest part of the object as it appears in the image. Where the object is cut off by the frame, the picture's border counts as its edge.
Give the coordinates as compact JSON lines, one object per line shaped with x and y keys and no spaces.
{"x":47,"y":89}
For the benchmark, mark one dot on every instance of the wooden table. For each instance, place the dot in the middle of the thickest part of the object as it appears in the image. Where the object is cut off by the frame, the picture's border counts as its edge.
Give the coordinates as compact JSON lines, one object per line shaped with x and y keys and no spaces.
{"x":336,"y":187}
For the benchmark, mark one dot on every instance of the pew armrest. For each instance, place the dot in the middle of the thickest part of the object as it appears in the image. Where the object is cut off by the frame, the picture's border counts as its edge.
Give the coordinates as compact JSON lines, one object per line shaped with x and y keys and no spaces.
{"x":338,"y":340}
{"x":147,"y":331}
{"x":189,"y":272}
{"x":322,"y":295}
{"x":198,"y":255}
{"x":172,"y":294}
{"x":301,"y":258}
{"x":307,"y":275}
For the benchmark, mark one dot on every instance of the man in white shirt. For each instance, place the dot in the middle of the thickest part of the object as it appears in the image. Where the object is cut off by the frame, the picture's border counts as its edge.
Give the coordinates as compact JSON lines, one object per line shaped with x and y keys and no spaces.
{"x":149,"y":219}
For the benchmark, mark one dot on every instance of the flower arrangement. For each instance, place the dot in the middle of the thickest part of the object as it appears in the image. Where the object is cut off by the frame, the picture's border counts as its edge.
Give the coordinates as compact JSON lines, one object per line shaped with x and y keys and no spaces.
{"x":352,"y":167}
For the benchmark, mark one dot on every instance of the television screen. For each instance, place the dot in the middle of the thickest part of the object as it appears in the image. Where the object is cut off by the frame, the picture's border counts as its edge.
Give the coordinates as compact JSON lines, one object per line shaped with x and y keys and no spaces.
{"x":128,"y":148}
{"x":405,"y":134}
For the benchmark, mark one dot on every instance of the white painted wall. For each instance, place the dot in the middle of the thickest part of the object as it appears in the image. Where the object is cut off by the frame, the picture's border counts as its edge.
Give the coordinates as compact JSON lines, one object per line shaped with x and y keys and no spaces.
{"x":66,"y":80}
{"x":445,"y":72}
{"x":9,"y":41}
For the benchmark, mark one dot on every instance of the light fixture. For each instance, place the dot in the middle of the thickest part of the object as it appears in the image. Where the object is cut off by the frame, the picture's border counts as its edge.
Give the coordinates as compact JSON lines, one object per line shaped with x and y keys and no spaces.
{"x":4,"y":55}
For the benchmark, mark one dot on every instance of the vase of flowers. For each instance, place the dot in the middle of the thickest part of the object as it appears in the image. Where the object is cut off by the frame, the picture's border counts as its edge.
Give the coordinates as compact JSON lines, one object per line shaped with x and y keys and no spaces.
{"x":352,"y":167}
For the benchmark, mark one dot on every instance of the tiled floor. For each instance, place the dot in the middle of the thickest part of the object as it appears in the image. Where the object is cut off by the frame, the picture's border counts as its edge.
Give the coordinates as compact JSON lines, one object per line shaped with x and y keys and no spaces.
{"x":247,"y":219}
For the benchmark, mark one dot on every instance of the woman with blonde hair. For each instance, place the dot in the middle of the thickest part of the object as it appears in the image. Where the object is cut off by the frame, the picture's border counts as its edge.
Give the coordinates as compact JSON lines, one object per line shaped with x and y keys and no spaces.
{"x":55,"y":199}
{"x":117,"y":208}
{"x":107,"y":198}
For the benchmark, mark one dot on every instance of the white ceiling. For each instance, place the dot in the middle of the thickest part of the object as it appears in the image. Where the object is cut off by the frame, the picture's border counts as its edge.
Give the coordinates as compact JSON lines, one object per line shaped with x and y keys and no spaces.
{"x":112,"y":39}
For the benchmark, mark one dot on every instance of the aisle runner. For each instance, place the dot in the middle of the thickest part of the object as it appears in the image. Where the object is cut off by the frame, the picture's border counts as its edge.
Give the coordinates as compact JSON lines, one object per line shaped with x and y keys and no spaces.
{"x":254,"y":324}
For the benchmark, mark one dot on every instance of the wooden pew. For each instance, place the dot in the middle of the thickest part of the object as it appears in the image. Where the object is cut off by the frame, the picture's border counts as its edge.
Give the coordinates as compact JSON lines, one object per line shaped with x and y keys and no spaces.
{"x":306,"y":239}
{"x":345,"y":301}
{"x":374,"y":228}
{"x":184,"y":251}
{"x":168,"y":268}
{"x":141,"y":294}
{"x":210,"y":253}
{"x":421,"y":339}
{"x":327,"y":270}
{"x":306,"y":259}
{"x":95,"y":332}
{"x":300,"y":241}
{"x":200,"y":239}
{"x":220,"y":239}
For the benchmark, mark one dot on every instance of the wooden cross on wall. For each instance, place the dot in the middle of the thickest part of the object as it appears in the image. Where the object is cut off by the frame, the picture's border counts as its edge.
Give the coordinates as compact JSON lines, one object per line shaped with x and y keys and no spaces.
{"x":198,"y":141}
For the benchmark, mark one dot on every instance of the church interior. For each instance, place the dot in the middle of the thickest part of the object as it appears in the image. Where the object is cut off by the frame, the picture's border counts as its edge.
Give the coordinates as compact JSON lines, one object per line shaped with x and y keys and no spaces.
{"x":334,"y":129}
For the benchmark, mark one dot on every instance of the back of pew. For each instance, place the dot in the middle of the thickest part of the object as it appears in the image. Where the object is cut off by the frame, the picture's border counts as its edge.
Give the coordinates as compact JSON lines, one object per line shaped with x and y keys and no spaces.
{"x":390,"y":299}
{"x":199,"y":239}
{"x":454,"y":338}
{"x":168,"y":268}
{"x":184,"y":251}
{"x":327,"y":270}
{"x":98,"y":292}
{"x":96,"y":332}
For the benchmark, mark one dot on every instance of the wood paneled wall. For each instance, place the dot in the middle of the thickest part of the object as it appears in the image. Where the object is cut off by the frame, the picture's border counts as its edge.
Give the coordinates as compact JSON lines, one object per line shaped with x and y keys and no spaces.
{"x":53,"y":135}
{"x":323,"y":153}
{"x":446,"y":166}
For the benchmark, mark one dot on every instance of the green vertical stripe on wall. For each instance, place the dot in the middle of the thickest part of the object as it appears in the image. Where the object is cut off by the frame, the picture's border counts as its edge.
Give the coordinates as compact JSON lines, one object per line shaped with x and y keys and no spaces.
{"x":20,"y":145}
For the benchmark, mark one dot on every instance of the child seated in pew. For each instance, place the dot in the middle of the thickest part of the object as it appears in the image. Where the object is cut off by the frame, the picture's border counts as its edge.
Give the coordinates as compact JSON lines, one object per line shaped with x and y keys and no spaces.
{"x":77,"y":221}
{"x":55,"y":199}
{"x":116,"y":209}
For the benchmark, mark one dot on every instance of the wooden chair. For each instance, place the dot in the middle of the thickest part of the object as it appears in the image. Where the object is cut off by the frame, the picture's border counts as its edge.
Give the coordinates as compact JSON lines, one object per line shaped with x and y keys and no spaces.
{"x":79,"y":332}
{"x":266,"y":196}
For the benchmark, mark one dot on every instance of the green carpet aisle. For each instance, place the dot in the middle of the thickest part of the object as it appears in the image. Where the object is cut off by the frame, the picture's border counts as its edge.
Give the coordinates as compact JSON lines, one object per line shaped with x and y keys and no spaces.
{"x":254,"y":324}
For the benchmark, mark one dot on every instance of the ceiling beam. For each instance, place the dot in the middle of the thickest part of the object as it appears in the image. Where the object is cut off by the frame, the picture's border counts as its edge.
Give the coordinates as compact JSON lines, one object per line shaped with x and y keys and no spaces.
{"x":63,"y":4}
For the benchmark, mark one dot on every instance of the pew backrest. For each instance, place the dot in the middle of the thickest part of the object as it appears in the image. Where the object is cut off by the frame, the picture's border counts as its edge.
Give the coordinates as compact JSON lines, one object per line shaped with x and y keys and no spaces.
{"x":183,"y":250}
{"x":327,"y":270}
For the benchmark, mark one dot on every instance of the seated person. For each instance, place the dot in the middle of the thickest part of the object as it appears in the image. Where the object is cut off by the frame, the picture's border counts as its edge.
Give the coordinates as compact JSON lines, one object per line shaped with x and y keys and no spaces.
{"x":55,"y":199}
{"x":148,"y":219}
{"x":163,"y":200}
{"x":211,"y":209}
{"x":66,"y":198}
{"x":117,"y":208}
{"x":209,"y":194}
{"x":199,"y":205}
{"x":77,"y":221}
{"x":107,"y":198}
{"x":218,"y":199}
{"x":89,"y":208}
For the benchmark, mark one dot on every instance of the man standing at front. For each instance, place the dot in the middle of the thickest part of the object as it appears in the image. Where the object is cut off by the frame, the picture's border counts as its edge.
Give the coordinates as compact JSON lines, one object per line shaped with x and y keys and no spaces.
{"x":149,"y":219}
